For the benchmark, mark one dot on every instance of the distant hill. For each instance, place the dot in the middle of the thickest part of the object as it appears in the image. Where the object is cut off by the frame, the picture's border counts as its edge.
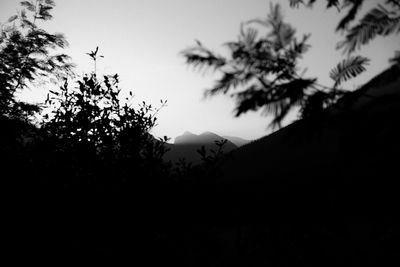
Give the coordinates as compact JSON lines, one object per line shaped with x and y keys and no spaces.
{"x":204,"y":138}
{"x":186,"y":146}
{"x":237,"y":140}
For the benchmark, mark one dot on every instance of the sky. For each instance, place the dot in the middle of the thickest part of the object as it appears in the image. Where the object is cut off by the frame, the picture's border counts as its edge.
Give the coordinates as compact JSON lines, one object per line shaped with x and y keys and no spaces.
{"x":141,"y":40}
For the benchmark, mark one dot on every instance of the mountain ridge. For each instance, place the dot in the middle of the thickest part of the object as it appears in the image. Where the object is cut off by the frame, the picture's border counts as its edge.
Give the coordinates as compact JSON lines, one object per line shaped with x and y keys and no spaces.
{"x":189,"y":137}
{"x":186,"y":145}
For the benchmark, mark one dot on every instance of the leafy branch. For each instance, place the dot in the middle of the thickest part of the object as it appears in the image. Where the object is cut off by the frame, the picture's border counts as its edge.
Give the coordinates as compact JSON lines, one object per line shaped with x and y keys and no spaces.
{"x":347,"y":69}
{"x":25,"y":50}
{"x":261,"y":71}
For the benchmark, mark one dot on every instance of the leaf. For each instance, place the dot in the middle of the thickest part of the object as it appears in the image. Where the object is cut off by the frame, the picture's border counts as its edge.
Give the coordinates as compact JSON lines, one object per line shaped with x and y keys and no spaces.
{"x":348,"y":68}
{"x":12,"y":18}
{"x":201,"y":57}
{"x":28,"y":5}
{"x":295,"y":3}
{"x":54,"y":92}
{"x":50,"y":2}
{"x":332,"y":3}
{"x":27,"y":23}
{"x":23,"y":14}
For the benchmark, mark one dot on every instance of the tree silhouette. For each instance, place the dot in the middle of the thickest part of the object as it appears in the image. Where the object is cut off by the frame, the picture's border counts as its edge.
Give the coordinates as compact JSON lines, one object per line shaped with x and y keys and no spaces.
{"x":26,"y":55}
{"x":266,"y":67}
{"x":263,"y":69}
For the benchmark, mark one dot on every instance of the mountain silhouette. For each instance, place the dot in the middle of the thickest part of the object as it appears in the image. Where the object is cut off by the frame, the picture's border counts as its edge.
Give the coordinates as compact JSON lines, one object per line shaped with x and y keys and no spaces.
{"x":187,"y":144}
{"x":236,"y":140}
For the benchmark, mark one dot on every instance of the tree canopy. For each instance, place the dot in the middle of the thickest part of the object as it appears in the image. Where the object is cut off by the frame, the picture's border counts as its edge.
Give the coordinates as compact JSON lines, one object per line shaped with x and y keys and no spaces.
{"x":28,"y":53}
{"x":261,"y":71}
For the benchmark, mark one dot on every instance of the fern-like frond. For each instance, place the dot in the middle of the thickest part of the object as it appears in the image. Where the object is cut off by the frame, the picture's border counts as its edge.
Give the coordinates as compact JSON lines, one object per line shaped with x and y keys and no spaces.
{"x":277,"y":100}
{"x":348,"y":68}
{"x":199,"y":57}
{"x":279,"y":110}
{"x":379,"y":21}
{"x":229,"y":80}
{"x":293,"y":95}
{"x":250,"y":36}
{"x":252,"y":99}
{"x":350,"y":16}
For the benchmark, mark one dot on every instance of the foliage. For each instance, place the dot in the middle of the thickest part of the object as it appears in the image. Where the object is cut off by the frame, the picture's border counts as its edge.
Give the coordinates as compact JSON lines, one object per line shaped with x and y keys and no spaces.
{"x":27,"y":53}
{"x":266,"y":67}
{"x":93,"y":121}
{"x":382,"y":20}
{"x":354,"y":5}
{"x":214,"y":154}
{"x":377,"y":22}
{"x":348,"y":68}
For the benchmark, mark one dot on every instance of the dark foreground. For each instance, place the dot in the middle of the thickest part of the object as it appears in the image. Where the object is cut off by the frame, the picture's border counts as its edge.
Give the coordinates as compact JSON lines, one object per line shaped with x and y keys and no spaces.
{"x":208,"y":225}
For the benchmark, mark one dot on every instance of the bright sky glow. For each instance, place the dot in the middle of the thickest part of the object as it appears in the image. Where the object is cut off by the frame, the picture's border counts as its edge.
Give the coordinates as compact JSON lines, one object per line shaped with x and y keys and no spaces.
{"x":141,"y":41}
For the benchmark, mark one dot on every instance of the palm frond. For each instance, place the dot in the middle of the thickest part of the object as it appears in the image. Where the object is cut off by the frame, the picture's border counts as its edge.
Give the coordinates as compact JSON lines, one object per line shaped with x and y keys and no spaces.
{"x":347,"y":69}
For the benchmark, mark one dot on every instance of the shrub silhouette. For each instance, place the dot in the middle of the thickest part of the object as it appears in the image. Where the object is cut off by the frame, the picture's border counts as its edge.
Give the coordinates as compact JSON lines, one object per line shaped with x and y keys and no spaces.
{"x":103,"y":133}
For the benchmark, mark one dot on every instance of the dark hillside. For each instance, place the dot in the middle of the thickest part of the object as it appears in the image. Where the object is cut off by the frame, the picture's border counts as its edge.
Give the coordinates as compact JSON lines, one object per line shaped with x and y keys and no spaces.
{"x":356,"y":138}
